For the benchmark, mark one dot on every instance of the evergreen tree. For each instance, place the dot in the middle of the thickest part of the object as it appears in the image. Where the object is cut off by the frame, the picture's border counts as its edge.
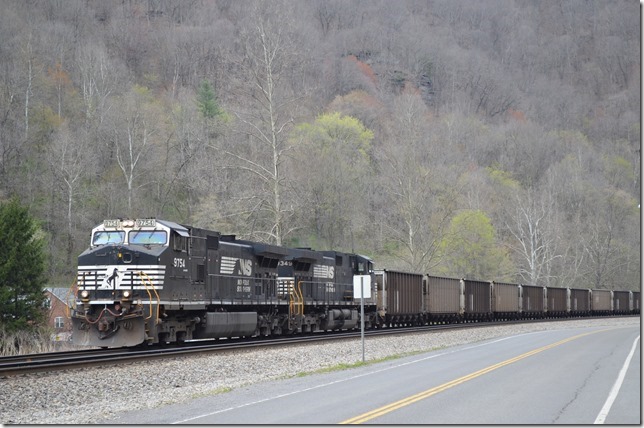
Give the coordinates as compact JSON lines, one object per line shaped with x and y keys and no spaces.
{"x":206,"y":100}
{"x":22,"y":268}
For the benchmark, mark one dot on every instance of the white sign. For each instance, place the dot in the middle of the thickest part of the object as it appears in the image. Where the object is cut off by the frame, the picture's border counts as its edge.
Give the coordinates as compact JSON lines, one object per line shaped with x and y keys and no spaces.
{"x":364,"y":282}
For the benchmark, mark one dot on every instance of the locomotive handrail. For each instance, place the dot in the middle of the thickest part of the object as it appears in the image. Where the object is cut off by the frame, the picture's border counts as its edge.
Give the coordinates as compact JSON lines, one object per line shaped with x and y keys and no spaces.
{"x":144,"y":278}
{"x":301,"y":297}
{"x":291,"y":306}
{"x":296,"y":300}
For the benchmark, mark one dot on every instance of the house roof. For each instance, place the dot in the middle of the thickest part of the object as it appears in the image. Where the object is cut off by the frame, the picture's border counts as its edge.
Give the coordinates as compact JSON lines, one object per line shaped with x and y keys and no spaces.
{"x":63,"y":294}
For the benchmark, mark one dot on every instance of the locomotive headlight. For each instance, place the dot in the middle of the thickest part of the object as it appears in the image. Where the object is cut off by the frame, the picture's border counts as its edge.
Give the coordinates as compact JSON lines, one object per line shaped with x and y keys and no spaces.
{"x":125,"y":301}
{"x":85,"y":299}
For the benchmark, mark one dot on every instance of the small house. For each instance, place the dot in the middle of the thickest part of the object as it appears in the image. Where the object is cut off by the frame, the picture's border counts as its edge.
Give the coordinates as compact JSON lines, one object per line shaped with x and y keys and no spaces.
{"x":61,"y":301}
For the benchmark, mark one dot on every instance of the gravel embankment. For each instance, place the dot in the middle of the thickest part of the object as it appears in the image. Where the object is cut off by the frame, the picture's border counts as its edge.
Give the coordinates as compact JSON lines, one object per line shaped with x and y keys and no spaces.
{"x":89,"y":395}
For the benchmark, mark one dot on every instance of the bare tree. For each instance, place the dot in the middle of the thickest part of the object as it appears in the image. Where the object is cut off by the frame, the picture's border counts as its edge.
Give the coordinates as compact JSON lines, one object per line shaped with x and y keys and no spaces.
{"x":416,"y":211}
{"x":136,"y":124}
{"x":529,"y":221}
{"x":269,"y":59}
{"x":28,"y":53}
{"x":189,"y":168}
{"x":607,"y":255}
{"x":98,"y":81}
{"x":70,"y":159}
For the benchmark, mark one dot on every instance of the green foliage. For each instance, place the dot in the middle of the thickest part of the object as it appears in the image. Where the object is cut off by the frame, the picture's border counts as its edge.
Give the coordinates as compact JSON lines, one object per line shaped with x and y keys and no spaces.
{"x":335,"y":156}
{"x":142,"y":91}
{"x":22,"y":267}
{"x":43,"y":124}
{"x":469,"y":248}
{"x":206,"y":101}
{"x":618,"y":171}
{"x":503,"y":178}
{"x":333,"y":131}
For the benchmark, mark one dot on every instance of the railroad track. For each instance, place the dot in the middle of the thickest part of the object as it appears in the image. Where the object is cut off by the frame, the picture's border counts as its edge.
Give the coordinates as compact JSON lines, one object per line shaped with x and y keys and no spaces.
{"x":33,"y":363}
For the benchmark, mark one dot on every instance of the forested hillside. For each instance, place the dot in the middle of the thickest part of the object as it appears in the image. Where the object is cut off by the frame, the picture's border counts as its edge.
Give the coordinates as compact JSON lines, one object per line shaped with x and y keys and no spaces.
{"x":491,"y":139}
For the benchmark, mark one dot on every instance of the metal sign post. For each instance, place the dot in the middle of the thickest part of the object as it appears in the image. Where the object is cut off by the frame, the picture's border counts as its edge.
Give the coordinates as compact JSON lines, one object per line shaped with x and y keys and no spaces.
{"x":362,"y":314}
{"x":359,"y":292}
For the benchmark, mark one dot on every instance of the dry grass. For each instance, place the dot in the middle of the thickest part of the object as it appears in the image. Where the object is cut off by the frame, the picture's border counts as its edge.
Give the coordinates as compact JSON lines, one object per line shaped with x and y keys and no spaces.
{"x":31,"y":342}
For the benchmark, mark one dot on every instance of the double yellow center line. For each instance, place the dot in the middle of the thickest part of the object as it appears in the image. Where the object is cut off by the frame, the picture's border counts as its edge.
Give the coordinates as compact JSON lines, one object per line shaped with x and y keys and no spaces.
{"x":428,"y":393}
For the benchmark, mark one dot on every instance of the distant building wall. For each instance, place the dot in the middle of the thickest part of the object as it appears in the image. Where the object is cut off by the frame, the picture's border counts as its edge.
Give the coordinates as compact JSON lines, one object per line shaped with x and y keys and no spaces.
{"x":59,"y":310}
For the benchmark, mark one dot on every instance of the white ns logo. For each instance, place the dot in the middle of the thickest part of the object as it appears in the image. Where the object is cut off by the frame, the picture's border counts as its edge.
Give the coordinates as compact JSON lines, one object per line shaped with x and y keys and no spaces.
{"x":245,"y":267}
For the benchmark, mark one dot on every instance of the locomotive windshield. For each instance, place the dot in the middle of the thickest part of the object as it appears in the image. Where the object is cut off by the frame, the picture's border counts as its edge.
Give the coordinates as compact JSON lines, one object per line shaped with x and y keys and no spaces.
{"x":148,"y":237}
{"x":108,"y":237}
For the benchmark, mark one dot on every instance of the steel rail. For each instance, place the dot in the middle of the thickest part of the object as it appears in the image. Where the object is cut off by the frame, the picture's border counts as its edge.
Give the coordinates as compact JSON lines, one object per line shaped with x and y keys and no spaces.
{"x":54,"y":361}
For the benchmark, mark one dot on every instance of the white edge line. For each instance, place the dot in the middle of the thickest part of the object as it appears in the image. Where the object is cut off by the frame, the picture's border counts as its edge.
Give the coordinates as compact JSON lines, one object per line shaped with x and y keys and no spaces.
{"x":603,"y":413}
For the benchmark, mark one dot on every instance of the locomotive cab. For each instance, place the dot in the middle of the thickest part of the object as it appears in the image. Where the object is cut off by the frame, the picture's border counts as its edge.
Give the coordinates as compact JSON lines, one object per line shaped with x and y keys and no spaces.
{"x":119,"y":278}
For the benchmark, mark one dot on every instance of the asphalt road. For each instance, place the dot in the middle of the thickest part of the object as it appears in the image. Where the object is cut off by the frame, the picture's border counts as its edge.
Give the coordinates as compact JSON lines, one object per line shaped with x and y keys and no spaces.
{"x":569,"y":376}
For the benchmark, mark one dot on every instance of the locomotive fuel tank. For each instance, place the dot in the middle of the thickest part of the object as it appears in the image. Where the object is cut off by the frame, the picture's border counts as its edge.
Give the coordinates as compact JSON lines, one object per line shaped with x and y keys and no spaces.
{"x":227,"y":324}
{"x":337,"y":319}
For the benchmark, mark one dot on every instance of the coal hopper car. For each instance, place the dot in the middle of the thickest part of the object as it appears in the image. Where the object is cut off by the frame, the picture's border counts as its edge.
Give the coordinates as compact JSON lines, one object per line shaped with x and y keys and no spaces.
{"x":444,"y":301}
{"x":400,"y":298}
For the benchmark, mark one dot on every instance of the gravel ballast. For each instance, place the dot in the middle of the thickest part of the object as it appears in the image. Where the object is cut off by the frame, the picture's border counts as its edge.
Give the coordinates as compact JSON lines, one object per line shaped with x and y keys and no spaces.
{"x":90,"y":395}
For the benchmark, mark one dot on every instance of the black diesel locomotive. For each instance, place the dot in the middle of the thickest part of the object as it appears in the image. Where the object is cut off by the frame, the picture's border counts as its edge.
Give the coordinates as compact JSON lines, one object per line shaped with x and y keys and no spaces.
{"x":155,"y":281}
{"x":151,"y":281}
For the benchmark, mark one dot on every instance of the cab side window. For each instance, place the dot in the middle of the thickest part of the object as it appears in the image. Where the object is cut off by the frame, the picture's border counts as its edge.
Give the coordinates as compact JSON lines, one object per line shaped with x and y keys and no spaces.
{"x":179,"y":243}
